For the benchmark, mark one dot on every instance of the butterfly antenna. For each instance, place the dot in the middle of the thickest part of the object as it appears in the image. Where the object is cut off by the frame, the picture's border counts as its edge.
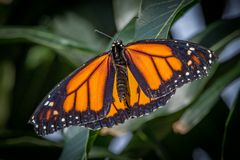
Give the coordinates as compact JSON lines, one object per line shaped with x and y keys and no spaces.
{"x":102,"y":33}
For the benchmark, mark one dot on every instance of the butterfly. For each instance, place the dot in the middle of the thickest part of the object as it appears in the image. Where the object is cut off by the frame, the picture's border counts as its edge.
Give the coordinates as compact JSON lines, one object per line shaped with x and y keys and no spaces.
{"x":127,"y":81}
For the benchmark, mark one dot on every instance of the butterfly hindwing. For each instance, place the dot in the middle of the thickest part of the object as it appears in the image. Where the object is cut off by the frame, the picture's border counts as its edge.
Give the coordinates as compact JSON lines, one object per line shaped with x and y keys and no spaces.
{"x":118,"y":112}
{"x":84,"y":96}
{"x":160,"y":66}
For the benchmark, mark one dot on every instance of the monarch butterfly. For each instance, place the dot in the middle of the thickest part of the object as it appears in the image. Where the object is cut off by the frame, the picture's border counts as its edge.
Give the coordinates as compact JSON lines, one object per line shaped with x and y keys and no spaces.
{"x":127,"y":81}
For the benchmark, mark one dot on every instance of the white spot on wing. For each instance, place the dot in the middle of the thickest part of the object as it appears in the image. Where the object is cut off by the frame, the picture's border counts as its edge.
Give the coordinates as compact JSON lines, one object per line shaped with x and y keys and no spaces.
{"x":46,"y":103}
{"x":189,"y":63}
{"x":51,"y":104}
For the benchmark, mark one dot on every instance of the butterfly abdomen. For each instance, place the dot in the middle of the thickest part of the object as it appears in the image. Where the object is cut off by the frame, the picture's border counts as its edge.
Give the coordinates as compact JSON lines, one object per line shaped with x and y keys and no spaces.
{"x":122,"y":82}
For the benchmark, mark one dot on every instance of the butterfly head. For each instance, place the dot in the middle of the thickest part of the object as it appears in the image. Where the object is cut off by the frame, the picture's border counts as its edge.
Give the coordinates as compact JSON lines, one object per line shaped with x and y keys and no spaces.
{"x":117,"y":47}
{"x":117,"y":43}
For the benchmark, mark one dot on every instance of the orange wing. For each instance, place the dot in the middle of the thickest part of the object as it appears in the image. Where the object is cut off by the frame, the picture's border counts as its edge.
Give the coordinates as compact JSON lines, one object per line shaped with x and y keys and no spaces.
{"x":83,"y":97}
{"x":160,"y":66}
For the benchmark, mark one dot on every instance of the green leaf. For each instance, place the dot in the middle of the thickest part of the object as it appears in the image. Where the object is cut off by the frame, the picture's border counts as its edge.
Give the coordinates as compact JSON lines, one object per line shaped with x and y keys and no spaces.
{"x":231,"y":134}
{"x":218,"y":34}
{"x":124,"y":11}
{"x":71,"y":49}
{"x":74,"y":27}
{"x":92,"y":137}
{"x":127,"y":33}
{"x":17,"y":140}
{"x":76,"y":139}
{"x":99,"y":152}
{"x":38,"y":55}
{"x":156,"y":17}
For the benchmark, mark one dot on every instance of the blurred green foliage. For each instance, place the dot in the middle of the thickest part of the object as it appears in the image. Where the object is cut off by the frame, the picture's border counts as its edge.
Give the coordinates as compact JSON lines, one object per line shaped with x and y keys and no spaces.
{"x":43,"y":41}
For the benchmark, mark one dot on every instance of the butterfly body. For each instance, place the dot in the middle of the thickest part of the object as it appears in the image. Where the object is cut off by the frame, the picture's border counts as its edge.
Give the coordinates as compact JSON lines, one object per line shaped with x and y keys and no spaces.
{"x":127,"y":81}
{"x":120,"y":66}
